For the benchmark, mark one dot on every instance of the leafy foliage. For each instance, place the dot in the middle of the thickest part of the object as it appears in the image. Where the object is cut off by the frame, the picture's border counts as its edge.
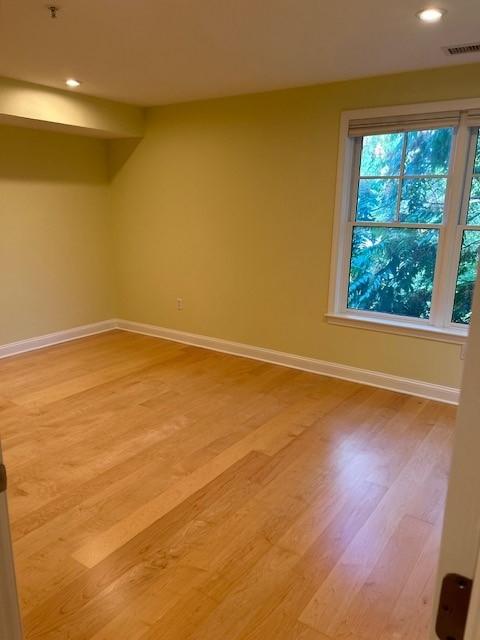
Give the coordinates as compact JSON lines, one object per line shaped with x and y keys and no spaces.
{"x":423,"y":200}
{"x":428,"y":152}
{"x":377,"y":200}
{"x":477,"y":156}
{"x":473,"y":216}
{"x":392,"y":269}
{"x":382,"y":155}
{"x":467,"y":274}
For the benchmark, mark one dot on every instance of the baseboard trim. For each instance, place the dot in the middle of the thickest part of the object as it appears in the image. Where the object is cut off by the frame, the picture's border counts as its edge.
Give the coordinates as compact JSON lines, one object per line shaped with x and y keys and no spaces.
{"x":49,"y":339}
{"x":440,"y":393}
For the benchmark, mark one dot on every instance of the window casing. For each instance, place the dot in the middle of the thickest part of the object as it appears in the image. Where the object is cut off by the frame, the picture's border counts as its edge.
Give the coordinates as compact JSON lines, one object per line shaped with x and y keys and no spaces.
{"x":448,"y":231}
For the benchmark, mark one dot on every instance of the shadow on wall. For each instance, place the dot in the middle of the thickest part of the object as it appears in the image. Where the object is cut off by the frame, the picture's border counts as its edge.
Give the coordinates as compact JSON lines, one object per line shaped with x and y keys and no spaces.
{"x":119,"y":151}
{"x":45,"y":156}
{"x":56,"y":266}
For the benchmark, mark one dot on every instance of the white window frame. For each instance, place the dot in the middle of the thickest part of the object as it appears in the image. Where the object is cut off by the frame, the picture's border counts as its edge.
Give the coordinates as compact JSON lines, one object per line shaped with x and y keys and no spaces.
{"x":439,"y":326}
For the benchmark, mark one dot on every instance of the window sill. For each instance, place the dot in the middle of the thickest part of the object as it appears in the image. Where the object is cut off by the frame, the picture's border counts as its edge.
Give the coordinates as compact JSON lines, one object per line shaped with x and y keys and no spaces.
{"x":448,"y":334}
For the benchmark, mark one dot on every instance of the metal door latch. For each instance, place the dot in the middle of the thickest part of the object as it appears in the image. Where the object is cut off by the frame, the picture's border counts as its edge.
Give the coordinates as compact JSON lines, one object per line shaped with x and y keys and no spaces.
{"x":3,"y":478}
{"x":453,"y":607}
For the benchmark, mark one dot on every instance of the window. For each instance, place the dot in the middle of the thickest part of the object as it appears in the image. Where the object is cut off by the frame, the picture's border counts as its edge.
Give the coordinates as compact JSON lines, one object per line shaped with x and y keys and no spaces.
{"x":470,"y":244}
{"x":408,"y":233}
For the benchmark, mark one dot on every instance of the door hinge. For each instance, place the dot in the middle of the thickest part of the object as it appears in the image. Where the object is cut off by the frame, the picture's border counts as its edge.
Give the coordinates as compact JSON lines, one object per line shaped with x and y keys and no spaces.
{"x":3,"y":478}
{"x":453,"y":607}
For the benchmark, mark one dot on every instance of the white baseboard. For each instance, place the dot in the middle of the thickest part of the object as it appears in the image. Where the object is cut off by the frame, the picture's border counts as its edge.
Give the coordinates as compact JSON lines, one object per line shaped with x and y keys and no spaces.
{"x":449,"y":395}
{"x":312,"y":365}
{"x":31,"y":344}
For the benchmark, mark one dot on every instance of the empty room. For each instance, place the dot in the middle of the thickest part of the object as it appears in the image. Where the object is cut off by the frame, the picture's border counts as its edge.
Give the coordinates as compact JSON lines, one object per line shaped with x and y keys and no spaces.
{"x":239,"y":333}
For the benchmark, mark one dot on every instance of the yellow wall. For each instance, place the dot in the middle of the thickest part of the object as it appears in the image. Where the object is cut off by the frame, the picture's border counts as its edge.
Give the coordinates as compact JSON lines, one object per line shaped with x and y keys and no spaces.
{"x":229,"y":204}
{"x":55,"y":241}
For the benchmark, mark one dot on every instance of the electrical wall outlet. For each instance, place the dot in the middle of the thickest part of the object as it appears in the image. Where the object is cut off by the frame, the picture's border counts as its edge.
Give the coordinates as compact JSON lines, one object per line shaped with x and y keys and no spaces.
{"x":179,"y":304}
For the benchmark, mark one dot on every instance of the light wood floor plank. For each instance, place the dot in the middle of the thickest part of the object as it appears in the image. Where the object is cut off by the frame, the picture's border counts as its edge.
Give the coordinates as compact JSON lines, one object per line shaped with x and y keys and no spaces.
{"x":160,"y":491}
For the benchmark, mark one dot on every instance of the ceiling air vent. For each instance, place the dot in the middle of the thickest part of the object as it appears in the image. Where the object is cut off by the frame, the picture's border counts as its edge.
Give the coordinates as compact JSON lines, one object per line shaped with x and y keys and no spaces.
{"x":461,"y":49}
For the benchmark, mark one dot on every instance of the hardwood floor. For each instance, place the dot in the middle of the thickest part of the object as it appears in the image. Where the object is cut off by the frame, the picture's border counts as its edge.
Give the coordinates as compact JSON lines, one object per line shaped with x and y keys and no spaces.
{"x":159,"y":491}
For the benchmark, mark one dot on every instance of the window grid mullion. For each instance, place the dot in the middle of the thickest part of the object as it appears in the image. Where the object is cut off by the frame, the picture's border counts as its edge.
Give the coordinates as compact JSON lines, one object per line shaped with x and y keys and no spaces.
{"x":352,"y":212}
{"x":398,"y":225}
{"x":462,"y":226}
{"x":355,"y":179}
{"x":346,"y":271}
{"x":468,"y":178}
{"x":402,"y":174}
{"x":420,"y":176}
{"x":450,"y":243}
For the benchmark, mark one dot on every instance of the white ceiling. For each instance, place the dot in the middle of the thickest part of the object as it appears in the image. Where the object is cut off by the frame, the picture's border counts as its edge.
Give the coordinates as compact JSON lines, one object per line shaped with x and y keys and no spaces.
{"x":161,"y":51}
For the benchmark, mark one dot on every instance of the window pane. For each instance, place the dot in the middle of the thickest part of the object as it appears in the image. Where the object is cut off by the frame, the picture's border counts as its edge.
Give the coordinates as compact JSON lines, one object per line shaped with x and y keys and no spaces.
{"x":477,"y":155}
{"x":381,"y":155}
{"x":473,"y":215}
{"x":392,"y":270}
{"x":428,"y":152}
{"x":467,"y":274}
{"x":423,"y":200}
{"x":377,"y":200}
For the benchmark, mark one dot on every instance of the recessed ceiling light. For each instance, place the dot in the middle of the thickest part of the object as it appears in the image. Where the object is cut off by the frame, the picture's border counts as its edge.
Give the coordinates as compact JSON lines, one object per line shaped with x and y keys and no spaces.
{"x":72,"y":83}
{"x":431,"y":15}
